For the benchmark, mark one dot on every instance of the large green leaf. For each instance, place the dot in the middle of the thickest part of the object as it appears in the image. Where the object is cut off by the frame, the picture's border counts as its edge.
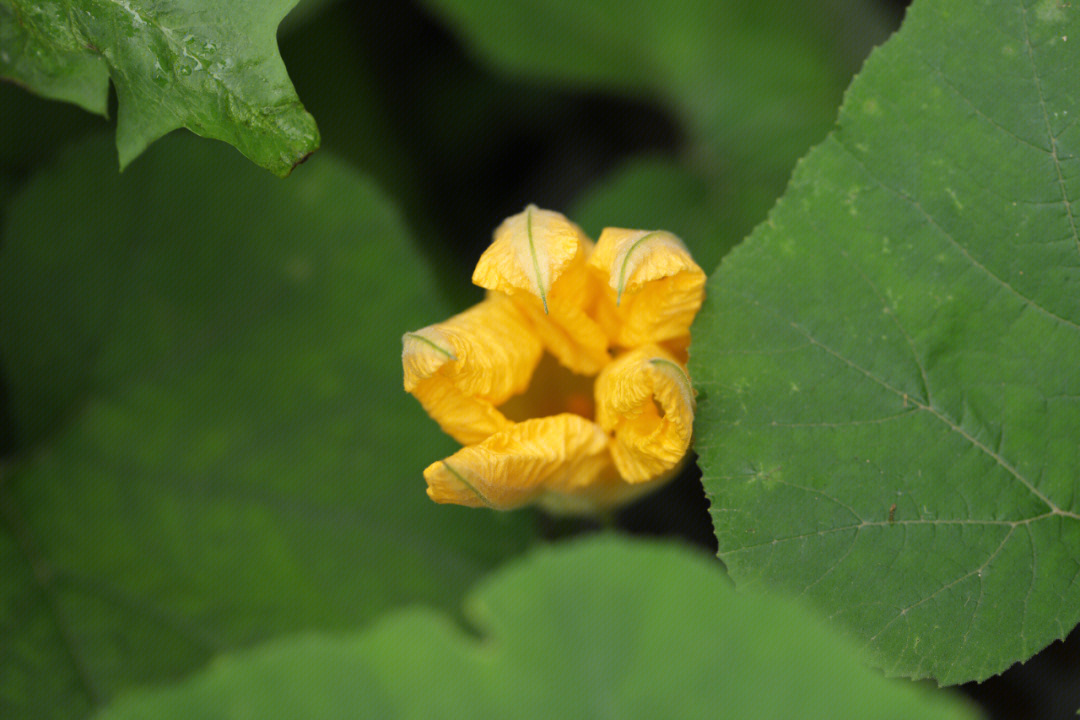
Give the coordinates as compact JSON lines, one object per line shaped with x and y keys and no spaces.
{"x":598,"y":629}
{"x":891,"y":413}
{"x":209,"y":66}
{"x":217,"y":448}
{"x":754,"y":84}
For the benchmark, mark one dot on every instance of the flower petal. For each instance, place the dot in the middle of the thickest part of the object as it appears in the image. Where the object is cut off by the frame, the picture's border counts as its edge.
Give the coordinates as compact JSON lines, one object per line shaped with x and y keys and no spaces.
{"x":645,"y":399}
{"x":529,"y":253}
{"x":538,"y":258}
{"x":461,"y":369}
{"x":560,"y":455}
{"x":652,"y":287}
{"x":576,"y":340}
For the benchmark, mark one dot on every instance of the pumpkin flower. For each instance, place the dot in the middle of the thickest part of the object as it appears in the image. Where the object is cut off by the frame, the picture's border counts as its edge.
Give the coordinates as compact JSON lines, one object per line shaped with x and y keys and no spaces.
{"x":567,"y":384}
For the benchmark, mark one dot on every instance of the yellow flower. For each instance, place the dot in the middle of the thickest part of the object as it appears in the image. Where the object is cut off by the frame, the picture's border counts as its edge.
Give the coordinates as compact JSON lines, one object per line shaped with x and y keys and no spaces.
{"x":567,"y":384}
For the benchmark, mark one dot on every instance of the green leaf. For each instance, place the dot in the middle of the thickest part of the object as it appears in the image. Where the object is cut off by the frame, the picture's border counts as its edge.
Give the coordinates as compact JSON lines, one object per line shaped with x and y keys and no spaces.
{"x":208,"y":66}
{"x":891,"y":405}
{"x":206,"y":366}
{"x":41,"y":49}
{"x":604,"y":628}
{"x":754,"y":84}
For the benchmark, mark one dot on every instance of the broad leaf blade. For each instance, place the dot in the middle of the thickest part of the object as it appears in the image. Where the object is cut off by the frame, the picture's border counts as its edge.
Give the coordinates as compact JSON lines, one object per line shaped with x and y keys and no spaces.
{"x":678,"y":643}
{"x":40,"y":50}
{"x":220,"y":449}
{"x":211,"y":67}
{"x":891,"y":420}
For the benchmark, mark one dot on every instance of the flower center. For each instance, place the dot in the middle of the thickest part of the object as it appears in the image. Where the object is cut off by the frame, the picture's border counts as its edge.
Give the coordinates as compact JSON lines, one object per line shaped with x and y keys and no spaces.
{"x":552,"y":390}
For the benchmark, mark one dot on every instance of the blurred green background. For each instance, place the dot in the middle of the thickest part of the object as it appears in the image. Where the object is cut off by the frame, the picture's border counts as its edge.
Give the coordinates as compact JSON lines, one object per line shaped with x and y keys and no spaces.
{"x":195,"y":323}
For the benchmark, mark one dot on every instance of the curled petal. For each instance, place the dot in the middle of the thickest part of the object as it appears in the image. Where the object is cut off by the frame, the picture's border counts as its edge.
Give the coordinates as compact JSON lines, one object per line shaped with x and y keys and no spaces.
{"x":557,"y":455}
{"x":652,"y":287}
{"x":538,"y":259}
{"x":461,"y":369}
{"x":644,"y":398}
{"x":531,"y":250}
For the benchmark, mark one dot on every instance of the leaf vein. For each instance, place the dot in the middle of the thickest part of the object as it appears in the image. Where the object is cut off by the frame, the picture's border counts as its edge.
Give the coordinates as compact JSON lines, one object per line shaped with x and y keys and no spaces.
{"x":825,"y":495}
{"x":43,"y":576}
{"x":120,"y":598}
{"x":953,"y":241}
{"x":1049,"y":131}
{"x":892,"y":316}
{"x":1012,"y":524}
{"x":1027,"y":596}
{"x":838,"y":424}
{"x":833,"y":566}
{"x":928,"y":408}
{"x":947,"y":421}
{"x":977,"y":572}
{"x":978,"y":111}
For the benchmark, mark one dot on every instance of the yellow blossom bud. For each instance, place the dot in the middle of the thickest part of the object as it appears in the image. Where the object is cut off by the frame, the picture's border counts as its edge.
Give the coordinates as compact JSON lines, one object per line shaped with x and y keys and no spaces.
{"x":644,"y":398}
{"x":609,"y":430}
